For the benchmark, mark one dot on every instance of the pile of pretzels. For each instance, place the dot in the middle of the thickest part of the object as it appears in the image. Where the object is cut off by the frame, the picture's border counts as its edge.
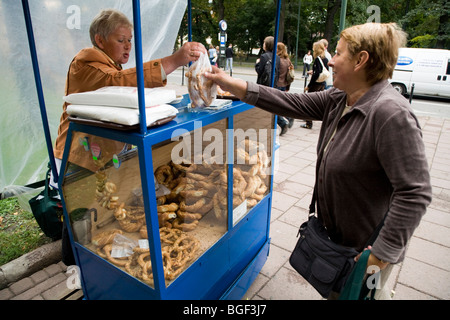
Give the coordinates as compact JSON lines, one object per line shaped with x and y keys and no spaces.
{"x":178,"y":250}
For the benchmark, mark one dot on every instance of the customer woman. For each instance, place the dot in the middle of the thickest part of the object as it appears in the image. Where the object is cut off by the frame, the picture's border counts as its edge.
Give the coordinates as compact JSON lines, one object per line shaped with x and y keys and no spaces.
{"x":371,"y":158}
{"x":320,"y":61}
{"x":101,"y":65}
{"x":285,"y":64}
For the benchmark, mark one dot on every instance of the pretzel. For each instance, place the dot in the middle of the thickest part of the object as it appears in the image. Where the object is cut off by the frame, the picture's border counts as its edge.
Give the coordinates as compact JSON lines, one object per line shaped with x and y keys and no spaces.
{"x":143,"y":232}
{"x":131,"y":225}
{"x":164,"y":174}
{"x":239,"y":182}
{"x":121,"y":262}
{"x":106,"y":237}
{"x":163,"y":218}
{"x":186,"y":216}
{"x":184,"y":226}
{"x":169,"y":236}
{"x":133,"y":267}
{"x":167,"y":207}
{"x":130,"y":218}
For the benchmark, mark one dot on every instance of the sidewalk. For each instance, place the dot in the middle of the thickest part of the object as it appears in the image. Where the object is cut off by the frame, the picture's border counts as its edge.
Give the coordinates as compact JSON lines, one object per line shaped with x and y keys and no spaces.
{"x":424,"y":274}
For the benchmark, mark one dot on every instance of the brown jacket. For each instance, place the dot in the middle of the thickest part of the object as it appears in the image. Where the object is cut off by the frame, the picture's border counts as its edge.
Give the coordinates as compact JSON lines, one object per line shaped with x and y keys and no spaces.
{"x":92,"y":69}
{"x":374,"y":164}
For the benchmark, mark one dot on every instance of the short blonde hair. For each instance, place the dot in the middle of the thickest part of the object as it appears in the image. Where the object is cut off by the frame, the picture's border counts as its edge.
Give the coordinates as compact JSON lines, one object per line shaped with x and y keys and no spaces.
{"x":318,"y":49}
{"x":381,"y":41}
{"x":106,"y":22}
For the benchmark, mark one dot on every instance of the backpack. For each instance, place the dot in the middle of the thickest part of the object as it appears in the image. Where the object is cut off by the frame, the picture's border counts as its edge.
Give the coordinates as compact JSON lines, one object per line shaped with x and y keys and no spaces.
{"x":266,"y":76}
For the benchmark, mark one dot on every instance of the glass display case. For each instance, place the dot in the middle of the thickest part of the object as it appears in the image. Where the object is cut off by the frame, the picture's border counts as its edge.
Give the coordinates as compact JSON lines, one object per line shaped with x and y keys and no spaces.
{"x":205,"y":179}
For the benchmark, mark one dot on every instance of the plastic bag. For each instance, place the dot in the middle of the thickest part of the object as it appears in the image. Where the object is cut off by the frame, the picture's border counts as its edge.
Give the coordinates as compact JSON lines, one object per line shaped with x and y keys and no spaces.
{"x":122,"y":246}
{"x":202,"y":91}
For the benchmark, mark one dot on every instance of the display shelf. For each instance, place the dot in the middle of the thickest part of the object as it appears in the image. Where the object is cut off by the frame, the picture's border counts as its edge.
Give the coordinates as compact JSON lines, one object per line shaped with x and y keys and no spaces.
{"x":232,"y":235}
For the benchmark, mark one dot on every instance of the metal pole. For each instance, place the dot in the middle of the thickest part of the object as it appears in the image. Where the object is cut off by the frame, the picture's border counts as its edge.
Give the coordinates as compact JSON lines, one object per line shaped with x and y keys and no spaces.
{"x":139,"y":65}
{"x":37,"y":79}
{"x":298,"y":30}
{"x":343,"y":14}
{"x":275,"y":41}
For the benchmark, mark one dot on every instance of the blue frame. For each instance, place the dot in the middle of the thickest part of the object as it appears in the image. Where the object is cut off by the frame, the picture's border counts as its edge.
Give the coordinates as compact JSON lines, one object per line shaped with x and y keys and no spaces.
{"x":224,"y":271}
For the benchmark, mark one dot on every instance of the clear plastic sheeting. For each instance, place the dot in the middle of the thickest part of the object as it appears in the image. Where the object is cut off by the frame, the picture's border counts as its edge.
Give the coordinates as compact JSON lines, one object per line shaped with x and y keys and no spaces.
{"x":61,"y":29}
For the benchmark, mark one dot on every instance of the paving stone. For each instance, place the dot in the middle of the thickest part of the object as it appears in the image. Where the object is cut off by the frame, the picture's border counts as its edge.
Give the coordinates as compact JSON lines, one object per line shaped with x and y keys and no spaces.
{"x":288,"y":285}
{"x":6,"y":294}
{"x":53,"y":269}
{"x":21,"y":285}
{"x":425,"y":278}
{"x":39,"y":276}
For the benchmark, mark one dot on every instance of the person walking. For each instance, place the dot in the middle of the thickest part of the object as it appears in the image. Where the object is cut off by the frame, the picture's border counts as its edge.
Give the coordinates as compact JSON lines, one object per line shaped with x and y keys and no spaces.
{"x":371,"y":165}
{"x":212,"y":54}
{"x":283,"y":85}
{"x":229,"y":57}
{"x":307,"y":60}
{"x":265,"y":73}
{"x":329,"y":81}
{"x":319,"y":63}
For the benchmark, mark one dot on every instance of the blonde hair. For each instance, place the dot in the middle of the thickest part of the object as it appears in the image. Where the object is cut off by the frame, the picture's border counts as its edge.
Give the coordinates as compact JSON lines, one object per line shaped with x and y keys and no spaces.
{"x":318,"y":49}
{"x":281,"y":50}
{"x":381,"y":41}
{"x":106,"y":22}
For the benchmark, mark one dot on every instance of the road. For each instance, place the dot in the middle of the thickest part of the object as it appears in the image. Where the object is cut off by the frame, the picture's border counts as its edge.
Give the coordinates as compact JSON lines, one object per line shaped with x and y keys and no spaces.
{"x":422,"y":106}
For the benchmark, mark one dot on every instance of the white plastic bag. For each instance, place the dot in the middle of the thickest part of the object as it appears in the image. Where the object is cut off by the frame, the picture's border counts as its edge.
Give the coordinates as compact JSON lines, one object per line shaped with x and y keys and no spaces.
{"x":202,"y":91}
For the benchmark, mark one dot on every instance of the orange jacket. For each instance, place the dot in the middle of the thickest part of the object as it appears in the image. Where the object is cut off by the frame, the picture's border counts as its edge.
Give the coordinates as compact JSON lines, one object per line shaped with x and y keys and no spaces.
{"x":92,"y":69}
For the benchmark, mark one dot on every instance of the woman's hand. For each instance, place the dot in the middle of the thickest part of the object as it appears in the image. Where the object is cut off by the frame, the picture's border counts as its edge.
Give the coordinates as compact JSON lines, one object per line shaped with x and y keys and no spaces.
{"x":190,"y":51}
{"x":236,"y":87}
{"x":373,"y":261}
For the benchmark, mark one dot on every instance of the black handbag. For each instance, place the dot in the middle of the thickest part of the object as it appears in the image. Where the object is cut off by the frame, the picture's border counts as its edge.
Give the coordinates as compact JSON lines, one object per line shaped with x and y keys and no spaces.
{"x":47,"y":210}
{"x":323,"y":263}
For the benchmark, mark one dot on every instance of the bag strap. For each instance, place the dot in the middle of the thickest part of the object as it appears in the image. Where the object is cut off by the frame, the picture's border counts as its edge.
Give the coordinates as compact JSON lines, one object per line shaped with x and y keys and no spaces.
{"x":354,"y":283}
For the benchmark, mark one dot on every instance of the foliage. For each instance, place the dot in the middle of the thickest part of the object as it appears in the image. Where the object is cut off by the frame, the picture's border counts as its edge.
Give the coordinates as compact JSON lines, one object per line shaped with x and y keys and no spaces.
{"x":250,"y":21}
{"x":19,"y":231}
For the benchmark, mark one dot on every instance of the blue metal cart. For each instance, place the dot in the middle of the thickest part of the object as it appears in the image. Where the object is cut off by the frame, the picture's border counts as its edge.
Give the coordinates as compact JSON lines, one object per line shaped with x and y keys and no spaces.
{"x":228,"y":244}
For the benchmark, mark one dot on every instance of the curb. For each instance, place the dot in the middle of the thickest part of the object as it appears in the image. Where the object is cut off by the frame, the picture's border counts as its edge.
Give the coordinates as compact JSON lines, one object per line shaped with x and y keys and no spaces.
{"x":30,"y":263}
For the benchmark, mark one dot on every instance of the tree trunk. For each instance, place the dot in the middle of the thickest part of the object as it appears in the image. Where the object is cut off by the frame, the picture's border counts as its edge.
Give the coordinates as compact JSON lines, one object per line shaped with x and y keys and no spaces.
{"x":332,"y":8}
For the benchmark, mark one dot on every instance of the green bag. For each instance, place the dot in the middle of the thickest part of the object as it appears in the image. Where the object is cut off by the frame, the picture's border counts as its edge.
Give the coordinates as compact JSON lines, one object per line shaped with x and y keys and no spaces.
{"x":47,"y":210}
{"x":355,"y":288}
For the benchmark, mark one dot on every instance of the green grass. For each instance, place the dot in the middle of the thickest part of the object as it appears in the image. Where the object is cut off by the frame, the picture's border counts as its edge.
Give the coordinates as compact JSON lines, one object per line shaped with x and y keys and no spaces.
{"x":19,"y":231}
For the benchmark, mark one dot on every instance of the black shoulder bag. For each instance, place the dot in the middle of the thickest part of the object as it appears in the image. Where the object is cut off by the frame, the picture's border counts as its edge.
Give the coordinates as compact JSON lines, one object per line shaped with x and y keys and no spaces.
{"x":323,"y":263}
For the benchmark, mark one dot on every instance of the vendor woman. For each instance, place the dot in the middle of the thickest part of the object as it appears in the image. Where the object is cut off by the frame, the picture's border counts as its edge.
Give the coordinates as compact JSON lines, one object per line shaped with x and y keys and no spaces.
{"x":101,"y":65}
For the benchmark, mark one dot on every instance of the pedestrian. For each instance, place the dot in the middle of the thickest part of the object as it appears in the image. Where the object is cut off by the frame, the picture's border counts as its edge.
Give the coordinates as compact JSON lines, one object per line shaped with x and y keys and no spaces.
{"x":264,"y":73}
{"x":371,"y":162}
{"x":307,"y":60}
{"x":319,"y":62}
{"x":229,"y":56}
{"x":212,"y":54}
{"x":329,"y":81}
{"x":283,"y":85}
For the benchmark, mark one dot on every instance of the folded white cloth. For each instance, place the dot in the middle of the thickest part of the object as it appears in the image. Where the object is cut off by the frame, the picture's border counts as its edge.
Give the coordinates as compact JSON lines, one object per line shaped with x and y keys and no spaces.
{"x":125,"y":97}
{"x":120,"y":115}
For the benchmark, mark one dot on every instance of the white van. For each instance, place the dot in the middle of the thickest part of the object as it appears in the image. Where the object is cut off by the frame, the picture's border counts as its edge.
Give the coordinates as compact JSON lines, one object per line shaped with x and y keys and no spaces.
{"x":427,"y":69}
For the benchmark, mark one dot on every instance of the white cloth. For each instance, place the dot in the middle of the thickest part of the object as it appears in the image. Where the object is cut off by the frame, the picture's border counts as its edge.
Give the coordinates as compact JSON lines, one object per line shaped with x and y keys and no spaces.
{"x":116,"y":96}
{"x":125,"y":116}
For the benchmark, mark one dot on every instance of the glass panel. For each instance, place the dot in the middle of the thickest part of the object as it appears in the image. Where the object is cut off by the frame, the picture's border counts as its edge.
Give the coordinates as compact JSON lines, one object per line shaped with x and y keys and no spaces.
{"x":252,"y":155}
{"x":103,"y":196}
{"x":191,"y":192}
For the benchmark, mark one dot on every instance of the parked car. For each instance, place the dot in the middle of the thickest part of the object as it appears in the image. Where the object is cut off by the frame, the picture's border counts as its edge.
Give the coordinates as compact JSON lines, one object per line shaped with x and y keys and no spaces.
{"x":427,"y":69}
